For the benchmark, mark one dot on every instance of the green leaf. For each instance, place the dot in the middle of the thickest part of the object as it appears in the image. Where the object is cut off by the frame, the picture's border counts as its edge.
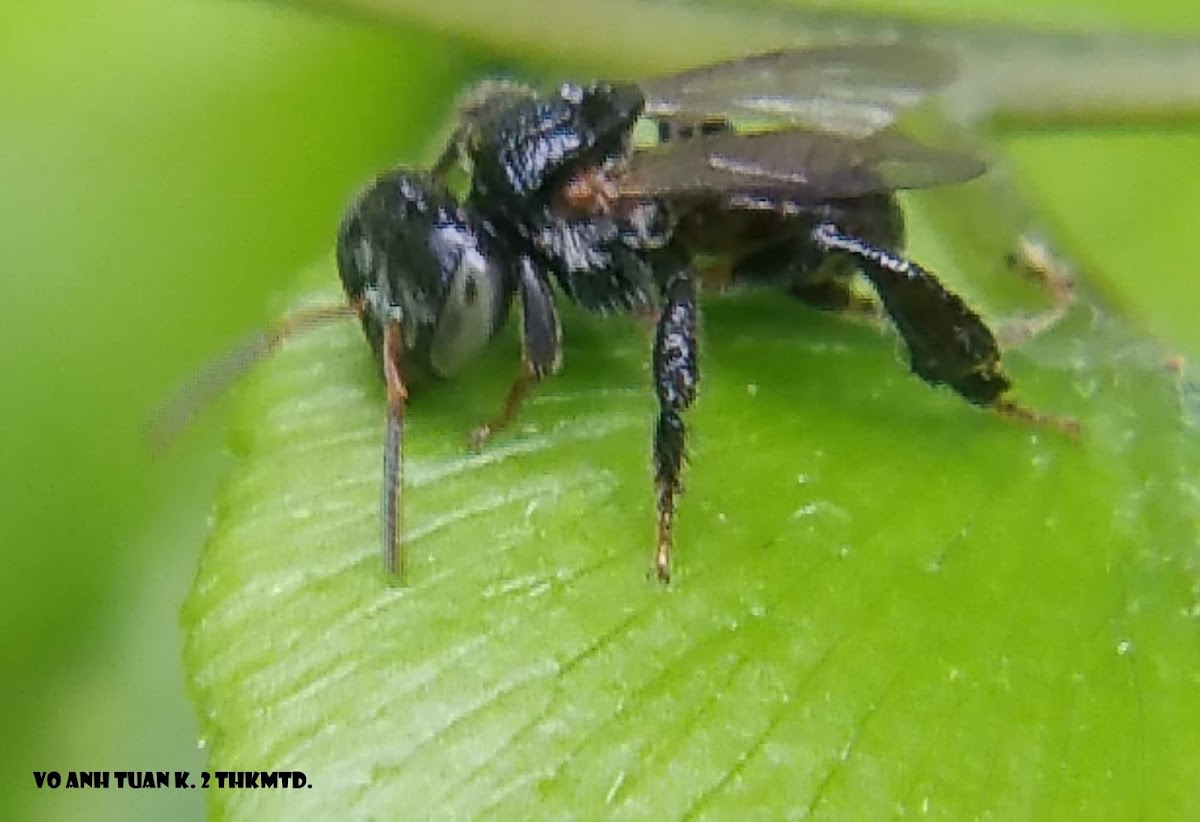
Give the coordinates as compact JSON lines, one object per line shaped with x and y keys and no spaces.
{"x":886,"y":602}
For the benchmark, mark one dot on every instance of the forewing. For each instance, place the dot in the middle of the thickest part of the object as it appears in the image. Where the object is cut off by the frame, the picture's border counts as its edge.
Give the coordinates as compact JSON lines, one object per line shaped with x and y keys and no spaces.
{"x":796,"y":164}
{"x":855,"y":89}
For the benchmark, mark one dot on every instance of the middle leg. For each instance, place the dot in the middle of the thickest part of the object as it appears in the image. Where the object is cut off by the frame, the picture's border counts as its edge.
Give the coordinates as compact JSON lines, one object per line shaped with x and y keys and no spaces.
{"x":676,"y":376}
{"x":541,"y":348}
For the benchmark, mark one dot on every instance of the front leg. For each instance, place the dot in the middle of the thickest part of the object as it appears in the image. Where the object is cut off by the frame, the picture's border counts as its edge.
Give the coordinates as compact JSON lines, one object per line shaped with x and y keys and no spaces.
{"x":541,"y":347}
{"x":392,"y":509}
{"x":676,"y":375}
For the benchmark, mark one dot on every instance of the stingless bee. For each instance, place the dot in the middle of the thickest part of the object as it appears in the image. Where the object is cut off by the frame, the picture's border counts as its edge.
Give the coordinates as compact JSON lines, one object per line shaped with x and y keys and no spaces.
{"x":778,"y":169}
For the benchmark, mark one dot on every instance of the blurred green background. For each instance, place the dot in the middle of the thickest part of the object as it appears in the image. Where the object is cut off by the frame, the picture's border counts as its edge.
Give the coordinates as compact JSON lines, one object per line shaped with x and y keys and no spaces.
{"x":165,"y":169}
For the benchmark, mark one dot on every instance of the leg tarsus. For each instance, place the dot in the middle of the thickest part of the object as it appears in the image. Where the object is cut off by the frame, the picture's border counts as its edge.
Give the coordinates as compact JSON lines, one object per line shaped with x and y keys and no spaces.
{"x":517,"y":392}
{"x":669,"y":442}
{"x":392,"y":519}
{"x":1011,"y":410}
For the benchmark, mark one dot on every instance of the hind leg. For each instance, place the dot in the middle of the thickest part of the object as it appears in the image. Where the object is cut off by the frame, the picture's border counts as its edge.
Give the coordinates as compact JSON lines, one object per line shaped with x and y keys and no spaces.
{"x":1034,"y":259}
{"x":949,"y":344}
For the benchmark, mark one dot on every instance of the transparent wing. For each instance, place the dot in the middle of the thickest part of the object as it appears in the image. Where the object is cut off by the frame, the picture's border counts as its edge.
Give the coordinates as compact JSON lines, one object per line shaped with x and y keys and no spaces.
{"x":856,"y":89}
{"x":794,"y":164}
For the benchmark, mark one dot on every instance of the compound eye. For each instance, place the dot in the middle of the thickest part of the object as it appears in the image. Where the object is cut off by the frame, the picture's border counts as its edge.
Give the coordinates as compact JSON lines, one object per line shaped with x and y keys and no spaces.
{"x":471,"y":315}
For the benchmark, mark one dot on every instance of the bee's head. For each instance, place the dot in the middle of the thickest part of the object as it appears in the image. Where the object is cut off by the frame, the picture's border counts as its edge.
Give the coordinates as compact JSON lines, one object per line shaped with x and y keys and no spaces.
{"x":408,"y":252}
